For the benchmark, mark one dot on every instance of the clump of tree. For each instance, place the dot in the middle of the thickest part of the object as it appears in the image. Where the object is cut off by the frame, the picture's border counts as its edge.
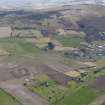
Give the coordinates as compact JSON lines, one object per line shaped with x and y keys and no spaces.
{"x":51,"y":46}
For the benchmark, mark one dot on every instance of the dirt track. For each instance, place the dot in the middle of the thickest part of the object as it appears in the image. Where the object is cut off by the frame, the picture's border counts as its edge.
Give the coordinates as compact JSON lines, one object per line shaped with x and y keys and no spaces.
{"x":10,"y":69}
{"x":23,"y":94}
{"x":99,"y":101}
{"x":13,"y":85}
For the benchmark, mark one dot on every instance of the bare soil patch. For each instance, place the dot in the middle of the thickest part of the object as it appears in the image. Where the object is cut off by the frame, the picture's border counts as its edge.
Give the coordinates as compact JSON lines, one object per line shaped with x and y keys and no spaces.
{"x":99,"y":83}
{"x":57,"y":76}
{"x":103,"y":103}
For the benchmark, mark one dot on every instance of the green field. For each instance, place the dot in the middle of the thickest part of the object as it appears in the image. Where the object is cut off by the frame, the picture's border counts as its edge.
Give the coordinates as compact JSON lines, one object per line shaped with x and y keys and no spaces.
{"x":73,"y":63}
{"x":81,"y":96}
{"x":70,"y":41}
{"x":101,"y":62}
{"x":17,"y":46}
{"x":74,"y":94}
{"x":27,"y":33}
{"x":5,"y":99}
{"x":52,"y":92}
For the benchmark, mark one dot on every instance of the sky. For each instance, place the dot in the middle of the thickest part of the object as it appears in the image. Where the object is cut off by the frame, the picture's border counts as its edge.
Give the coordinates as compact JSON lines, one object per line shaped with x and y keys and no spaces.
{"x":41,"y":3}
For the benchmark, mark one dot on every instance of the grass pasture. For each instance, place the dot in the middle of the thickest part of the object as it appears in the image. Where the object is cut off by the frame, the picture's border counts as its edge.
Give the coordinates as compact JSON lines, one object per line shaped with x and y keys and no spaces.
{"x":27,"y":33}
{"x":100,"y":62}
{"x":52,"y":92}
{"x":17,"y":46}
{"x":81,"y":96}
{"x":70,"y":41}
{"x":5,"y":99}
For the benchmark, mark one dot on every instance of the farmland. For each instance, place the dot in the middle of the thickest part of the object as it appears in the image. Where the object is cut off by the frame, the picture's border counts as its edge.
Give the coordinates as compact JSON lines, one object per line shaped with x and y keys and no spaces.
{"x":99,"y":83}
{"x":47,"y":89}
{"x":73,"y":94}
{"x":101,"y":62}
{"x":70,"y":40}
{"x":52,"y":57}
{"x":17,"y":46}
{"x":33,"y":33}
{"x":81,"y":96}
{"x":6,"y":99}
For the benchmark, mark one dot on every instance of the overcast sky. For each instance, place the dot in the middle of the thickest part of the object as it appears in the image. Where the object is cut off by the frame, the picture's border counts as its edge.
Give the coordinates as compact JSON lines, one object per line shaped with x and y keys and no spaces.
{"x":23,"y":3}
{"x":41,"y":1}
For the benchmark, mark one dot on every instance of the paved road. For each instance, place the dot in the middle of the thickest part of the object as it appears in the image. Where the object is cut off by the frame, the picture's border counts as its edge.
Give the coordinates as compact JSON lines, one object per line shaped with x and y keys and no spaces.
{"x":23,"y":94}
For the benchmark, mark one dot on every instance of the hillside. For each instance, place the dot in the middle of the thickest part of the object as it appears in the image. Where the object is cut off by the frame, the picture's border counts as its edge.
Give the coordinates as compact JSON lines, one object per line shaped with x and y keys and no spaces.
{"x":53,"y":56}
{"x":85,"y":18}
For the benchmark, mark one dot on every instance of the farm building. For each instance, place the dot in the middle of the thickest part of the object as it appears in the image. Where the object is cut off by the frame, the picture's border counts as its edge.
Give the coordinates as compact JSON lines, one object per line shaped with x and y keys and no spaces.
{"x":73,"y":74}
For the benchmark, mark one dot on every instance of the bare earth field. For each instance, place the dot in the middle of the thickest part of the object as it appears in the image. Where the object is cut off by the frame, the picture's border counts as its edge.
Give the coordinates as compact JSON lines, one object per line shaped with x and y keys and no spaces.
{"x":99,"y":83}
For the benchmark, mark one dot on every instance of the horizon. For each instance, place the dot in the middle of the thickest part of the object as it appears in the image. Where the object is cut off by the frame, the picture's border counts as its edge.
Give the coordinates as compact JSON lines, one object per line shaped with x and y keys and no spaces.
{"x":5,"y":4}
